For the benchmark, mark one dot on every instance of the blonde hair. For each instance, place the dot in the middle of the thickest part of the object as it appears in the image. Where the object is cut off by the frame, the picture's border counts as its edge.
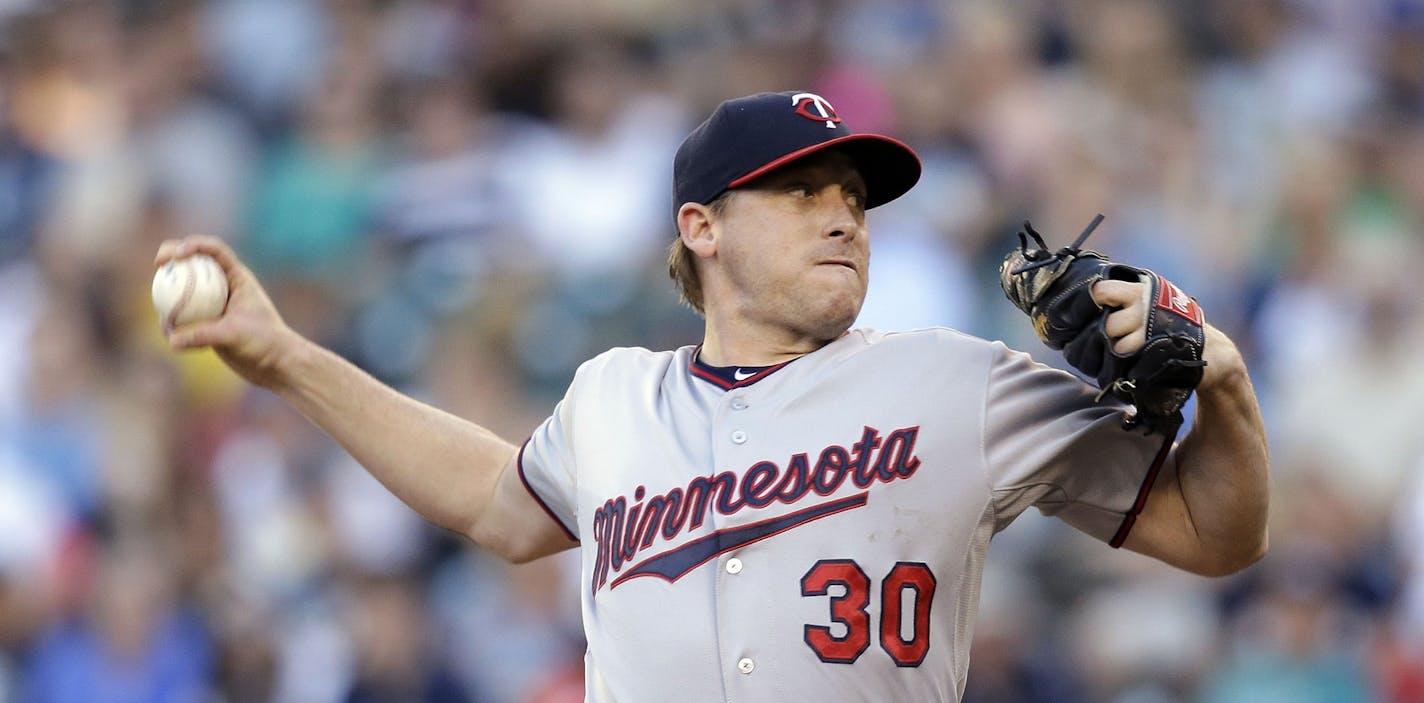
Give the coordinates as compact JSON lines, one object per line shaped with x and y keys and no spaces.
{"x":682,"y":263}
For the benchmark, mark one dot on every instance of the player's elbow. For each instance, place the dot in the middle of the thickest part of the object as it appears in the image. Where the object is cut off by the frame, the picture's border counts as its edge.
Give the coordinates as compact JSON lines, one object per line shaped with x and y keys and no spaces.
{"x":514,"y":545}
{"x":500,"y":543}
{"x":515,"y":553}
{"x":1235,"y":558}
{"x":523,"y":557}
{"x":1255,"y":553}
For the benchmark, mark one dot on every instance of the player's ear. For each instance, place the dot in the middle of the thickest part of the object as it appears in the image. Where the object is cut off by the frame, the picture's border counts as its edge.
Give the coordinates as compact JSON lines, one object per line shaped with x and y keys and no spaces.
{"x":695,"y":226}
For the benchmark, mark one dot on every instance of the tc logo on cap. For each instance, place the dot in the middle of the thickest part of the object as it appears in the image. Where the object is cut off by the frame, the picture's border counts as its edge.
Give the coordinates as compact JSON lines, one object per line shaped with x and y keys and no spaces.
{"x":806,"y":103}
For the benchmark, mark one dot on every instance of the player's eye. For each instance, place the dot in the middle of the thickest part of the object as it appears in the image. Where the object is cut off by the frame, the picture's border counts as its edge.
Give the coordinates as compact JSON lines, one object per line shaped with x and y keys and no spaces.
{"x":800,"y":190}
{"x":856,"y":199}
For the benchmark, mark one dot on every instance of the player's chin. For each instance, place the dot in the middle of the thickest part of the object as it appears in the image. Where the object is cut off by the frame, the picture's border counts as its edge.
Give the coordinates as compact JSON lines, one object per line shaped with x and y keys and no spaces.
{"x":834,"y":314}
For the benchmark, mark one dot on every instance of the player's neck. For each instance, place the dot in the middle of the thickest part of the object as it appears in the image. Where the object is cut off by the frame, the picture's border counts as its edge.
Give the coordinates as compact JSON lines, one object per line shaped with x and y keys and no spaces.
{"x":750,"y":344}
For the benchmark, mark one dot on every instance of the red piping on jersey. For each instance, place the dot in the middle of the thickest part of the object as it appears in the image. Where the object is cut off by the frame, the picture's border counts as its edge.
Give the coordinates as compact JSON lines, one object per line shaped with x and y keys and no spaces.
{"x":1131,"y":518}
{"x":535,"y":494}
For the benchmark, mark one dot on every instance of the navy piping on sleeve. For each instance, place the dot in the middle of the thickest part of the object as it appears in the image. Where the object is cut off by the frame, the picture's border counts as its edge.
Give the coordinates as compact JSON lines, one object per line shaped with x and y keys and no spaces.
{"x":535,"y":494}
{"x":1131,"y":518}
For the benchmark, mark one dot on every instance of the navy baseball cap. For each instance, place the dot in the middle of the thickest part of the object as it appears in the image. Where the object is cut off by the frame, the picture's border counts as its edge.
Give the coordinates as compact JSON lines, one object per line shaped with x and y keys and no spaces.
{"x":751,"y":136}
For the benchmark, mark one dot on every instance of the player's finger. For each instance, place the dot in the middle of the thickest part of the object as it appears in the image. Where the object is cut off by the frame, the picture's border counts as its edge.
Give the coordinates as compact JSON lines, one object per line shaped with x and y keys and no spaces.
{"x":212,"y":246}
{"x":239,"y":276}
{"x":188,"y":246}
{"x":1121,"y":323}
{"x":1131,"y":342}
{"x":165,"y":252}
{"x":198,"y":335}
{"x":1116,"y":294}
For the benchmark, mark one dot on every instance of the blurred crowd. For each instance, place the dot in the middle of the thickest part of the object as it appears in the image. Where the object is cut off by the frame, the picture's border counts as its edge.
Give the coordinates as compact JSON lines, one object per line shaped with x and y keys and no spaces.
{"x":470,"y":197}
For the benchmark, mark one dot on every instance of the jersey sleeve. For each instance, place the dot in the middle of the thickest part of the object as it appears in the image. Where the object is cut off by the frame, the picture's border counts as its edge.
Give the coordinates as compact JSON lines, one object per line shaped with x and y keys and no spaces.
{"x":546,"y":466}
{"x":1050,"y":444}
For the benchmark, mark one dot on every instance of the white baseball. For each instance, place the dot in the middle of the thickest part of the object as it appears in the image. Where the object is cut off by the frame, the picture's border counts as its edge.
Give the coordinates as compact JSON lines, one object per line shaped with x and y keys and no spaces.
{"x":187,"y":290}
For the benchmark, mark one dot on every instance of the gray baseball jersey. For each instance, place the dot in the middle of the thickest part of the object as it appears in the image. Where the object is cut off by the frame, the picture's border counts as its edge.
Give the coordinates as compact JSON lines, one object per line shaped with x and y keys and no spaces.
{"x":817,"y":530}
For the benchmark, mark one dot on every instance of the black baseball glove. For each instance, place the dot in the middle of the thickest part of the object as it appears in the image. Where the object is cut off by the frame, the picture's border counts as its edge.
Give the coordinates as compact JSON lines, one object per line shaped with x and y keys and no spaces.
{"x":1053,"y":288}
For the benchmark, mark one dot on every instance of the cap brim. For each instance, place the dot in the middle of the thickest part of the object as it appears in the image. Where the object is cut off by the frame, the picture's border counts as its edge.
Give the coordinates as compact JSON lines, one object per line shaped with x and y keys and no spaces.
{"x":890,"y":167}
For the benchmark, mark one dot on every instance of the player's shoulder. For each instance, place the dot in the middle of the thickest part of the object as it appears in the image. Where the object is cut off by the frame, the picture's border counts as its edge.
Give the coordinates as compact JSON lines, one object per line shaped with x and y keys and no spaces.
{"x":632,"y":358}
{"x":622,"y":364}
{"x":934,"y":340}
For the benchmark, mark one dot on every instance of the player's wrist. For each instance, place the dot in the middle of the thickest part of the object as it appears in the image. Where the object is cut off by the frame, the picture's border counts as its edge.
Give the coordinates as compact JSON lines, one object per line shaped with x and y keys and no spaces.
{"x":292,"y":362}
{"x":1225,"y":367}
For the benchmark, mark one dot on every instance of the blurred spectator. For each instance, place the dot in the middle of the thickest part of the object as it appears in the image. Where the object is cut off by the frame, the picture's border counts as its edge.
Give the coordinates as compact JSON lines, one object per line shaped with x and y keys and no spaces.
{"x":1147,"y":639}
{"x":35,"y":522}
{"x":26,"y":176}
{"x":443,"y":221}
{"x":259,"y":473}
{"x":61,"y":434}
{"x":608,"y":143}
{"x":394,"y":651}
{"x":1294,"y":643}
{"x":533,"y":607}
{"x":1401,"y":665}
{"x":313,"y":210}
{"x":1013,"y":661}
{"x":269,"y":54}
{"x":444,"y":183}
{"x":1320,"y":424}
{"x":134,"y":642}
{"x":199,"y":152}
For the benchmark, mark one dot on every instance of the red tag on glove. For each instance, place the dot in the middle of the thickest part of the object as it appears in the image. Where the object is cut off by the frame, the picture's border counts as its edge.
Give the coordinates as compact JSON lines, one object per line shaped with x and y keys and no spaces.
{"x":1171,"y":298}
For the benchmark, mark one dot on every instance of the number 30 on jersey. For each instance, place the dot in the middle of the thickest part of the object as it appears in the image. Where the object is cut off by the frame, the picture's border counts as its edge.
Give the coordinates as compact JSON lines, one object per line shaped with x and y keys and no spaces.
{"x":907,"y":578}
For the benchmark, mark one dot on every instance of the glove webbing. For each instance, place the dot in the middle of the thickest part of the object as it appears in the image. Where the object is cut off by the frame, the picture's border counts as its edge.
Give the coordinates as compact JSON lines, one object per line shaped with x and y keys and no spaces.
{"x":1070,"y":250}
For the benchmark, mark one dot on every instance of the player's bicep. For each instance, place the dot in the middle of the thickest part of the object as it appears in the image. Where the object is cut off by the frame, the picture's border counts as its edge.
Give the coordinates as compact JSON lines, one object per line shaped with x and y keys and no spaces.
{"x":516,"y":524}
{"x":1164,"y":530}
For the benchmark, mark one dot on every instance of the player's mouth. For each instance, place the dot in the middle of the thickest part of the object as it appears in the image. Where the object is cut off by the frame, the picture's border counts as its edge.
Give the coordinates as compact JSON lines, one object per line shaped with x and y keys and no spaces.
{"x":847,"y":263}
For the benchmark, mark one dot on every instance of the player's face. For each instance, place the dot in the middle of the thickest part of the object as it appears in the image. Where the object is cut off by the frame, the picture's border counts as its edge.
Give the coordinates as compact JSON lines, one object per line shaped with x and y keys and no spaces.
{"x":794,"y":247}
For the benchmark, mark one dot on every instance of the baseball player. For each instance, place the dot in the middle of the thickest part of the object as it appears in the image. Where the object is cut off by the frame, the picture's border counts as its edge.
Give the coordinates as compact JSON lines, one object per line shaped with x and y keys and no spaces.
{"x":793,"y":509}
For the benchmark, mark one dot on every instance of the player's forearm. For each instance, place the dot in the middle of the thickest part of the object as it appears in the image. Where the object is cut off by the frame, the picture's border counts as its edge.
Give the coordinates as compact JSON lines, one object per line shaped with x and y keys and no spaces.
{"x":1223,"y":465}
{"x":444,"y":467}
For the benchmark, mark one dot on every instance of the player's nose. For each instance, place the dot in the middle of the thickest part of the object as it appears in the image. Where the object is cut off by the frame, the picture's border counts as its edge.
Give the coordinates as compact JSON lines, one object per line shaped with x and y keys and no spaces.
{"x":844,"y":214}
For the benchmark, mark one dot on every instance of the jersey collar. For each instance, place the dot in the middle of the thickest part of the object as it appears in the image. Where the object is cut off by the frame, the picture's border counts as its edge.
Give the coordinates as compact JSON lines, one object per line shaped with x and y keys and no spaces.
{"x":729,"y":377}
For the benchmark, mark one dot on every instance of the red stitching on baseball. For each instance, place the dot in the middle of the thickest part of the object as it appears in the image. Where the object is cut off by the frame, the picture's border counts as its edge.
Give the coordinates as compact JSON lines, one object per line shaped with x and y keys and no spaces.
{"x":190,"y":281}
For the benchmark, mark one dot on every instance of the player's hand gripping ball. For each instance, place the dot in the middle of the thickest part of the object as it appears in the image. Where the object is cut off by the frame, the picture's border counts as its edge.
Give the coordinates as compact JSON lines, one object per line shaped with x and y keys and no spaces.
{"x":187,"y":290}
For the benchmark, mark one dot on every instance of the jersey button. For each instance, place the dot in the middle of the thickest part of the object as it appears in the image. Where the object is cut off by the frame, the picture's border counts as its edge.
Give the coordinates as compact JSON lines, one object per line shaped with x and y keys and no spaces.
{"x":739,"y":437}
{"x":746,"y":665}
{"x":734,"y":566}
{"x":739,"y":403}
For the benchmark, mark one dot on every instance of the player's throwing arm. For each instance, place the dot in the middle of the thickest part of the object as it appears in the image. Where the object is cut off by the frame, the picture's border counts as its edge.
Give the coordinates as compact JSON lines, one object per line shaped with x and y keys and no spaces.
{"x":450,"y":470}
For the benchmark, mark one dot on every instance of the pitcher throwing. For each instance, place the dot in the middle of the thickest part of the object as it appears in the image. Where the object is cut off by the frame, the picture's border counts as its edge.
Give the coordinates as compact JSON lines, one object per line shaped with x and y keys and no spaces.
{"x":794,"y":509}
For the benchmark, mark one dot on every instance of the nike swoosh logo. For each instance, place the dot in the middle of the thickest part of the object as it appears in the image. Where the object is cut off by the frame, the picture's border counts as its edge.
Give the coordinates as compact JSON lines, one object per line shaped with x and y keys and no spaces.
{"x":675,"y":563}
{"x":741,"y":376}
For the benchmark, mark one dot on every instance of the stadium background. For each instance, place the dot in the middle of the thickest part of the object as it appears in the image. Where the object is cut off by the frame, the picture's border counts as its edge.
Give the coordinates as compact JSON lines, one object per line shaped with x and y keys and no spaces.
{"x":469,"y":197}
